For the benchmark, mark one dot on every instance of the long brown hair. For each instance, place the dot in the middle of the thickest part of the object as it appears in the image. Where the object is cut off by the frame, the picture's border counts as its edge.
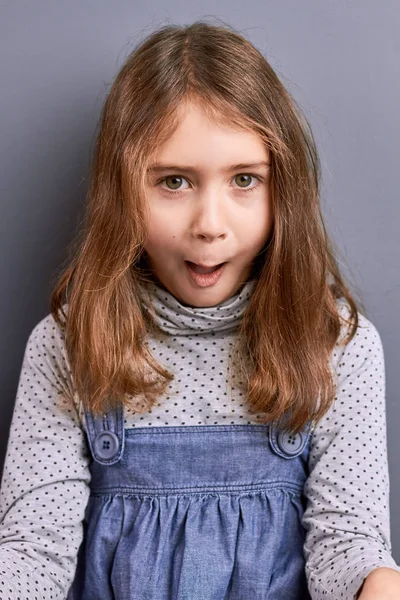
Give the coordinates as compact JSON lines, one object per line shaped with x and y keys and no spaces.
{"x":292,"y":322}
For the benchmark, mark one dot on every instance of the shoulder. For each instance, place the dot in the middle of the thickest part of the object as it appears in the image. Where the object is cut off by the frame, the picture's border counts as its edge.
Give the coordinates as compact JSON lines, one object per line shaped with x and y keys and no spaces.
{"x":365,"y":325}
{"x":46,"y":353}
{"x":364,"y":347}
{"x":46,"y":336}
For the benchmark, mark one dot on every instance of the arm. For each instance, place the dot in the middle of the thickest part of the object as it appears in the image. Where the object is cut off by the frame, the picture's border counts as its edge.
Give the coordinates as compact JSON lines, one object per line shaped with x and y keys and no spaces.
{"x":347,"y":491}
{"x":44,"y":488}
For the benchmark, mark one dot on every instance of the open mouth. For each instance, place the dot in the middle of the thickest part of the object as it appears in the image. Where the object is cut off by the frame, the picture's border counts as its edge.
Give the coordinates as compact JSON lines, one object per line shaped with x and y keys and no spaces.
{"x":205,"y":276}
{"x":203,"y":270}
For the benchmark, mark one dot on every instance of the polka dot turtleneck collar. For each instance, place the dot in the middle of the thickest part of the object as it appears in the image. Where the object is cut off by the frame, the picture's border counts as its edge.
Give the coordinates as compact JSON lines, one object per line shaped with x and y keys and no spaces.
{"x":177,"y":319}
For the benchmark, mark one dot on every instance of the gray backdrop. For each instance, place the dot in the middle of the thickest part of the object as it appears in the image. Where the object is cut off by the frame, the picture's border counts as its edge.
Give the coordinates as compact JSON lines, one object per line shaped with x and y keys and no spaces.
{"x":339,"y":58}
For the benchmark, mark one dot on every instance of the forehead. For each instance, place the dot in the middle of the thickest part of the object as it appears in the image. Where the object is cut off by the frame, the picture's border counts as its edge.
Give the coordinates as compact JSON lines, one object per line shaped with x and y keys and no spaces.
{"x":206,"y":136}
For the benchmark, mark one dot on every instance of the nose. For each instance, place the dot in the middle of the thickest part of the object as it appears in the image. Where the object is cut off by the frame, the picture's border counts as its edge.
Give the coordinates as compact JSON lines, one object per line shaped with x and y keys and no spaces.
{"x":209,"y":218}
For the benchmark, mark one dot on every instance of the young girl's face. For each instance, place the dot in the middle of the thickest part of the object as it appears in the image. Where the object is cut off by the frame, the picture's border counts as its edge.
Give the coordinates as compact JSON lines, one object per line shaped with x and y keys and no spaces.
{"x":205,"y":210}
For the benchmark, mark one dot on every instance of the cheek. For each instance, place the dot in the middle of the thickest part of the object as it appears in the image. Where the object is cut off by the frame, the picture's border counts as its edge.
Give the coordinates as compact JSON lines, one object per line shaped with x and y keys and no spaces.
{"x":257,"y":230}
{"x":161,"y":237}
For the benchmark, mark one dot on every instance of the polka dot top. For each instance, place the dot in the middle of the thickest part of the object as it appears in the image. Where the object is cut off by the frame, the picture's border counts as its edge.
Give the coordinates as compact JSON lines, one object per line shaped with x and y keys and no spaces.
{"x":46,"y":479}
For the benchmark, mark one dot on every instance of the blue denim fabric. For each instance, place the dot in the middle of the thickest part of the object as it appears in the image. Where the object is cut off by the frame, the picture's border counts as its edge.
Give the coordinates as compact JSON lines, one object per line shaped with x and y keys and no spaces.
{"x":207,"y":512}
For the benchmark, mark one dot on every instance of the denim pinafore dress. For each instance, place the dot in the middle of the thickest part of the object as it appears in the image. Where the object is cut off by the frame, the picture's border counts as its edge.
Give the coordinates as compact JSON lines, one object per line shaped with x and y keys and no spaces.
{"x":209,"y":512}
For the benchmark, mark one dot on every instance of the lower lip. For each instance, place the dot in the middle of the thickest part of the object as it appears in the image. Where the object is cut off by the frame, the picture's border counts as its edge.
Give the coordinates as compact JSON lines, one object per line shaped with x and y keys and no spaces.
{"x":205,"y":279}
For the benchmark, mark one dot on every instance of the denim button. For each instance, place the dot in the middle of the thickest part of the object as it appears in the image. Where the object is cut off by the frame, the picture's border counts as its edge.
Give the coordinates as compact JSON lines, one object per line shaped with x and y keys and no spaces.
{"x":106,"y":444}
{"x":290,"y":443}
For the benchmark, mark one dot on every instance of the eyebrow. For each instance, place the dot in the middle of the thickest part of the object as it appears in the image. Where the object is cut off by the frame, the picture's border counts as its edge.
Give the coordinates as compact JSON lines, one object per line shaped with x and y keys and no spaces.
{"x":156,"y":167}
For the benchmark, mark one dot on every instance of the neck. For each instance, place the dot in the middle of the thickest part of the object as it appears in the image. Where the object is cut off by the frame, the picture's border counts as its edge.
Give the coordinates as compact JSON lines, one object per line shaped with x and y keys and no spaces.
{"x":177,"y":318}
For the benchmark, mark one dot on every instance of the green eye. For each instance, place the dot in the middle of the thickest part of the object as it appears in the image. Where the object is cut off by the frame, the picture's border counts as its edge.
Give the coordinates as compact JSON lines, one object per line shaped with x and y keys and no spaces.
{"x":175,"y":179}
{"x":241,"y":177}
{"x":173,"y":183}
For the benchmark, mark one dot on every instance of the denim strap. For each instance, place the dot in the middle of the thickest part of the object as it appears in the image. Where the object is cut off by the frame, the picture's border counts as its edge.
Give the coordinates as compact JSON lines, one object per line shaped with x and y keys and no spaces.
{"x":106,"y":435}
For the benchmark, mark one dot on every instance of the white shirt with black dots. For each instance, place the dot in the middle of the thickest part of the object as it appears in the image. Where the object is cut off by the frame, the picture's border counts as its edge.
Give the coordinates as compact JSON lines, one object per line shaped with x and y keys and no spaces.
{"x":46,"y":478}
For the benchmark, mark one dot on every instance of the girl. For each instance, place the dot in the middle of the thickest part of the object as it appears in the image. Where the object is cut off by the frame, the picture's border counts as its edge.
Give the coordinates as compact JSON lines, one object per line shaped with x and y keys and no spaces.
{"x":202,"y":414}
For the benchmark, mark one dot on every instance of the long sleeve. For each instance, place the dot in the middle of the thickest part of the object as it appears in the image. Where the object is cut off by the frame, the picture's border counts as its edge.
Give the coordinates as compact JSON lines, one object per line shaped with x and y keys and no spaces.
{"x":45,"y":485}
{"x":347,"y":513}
